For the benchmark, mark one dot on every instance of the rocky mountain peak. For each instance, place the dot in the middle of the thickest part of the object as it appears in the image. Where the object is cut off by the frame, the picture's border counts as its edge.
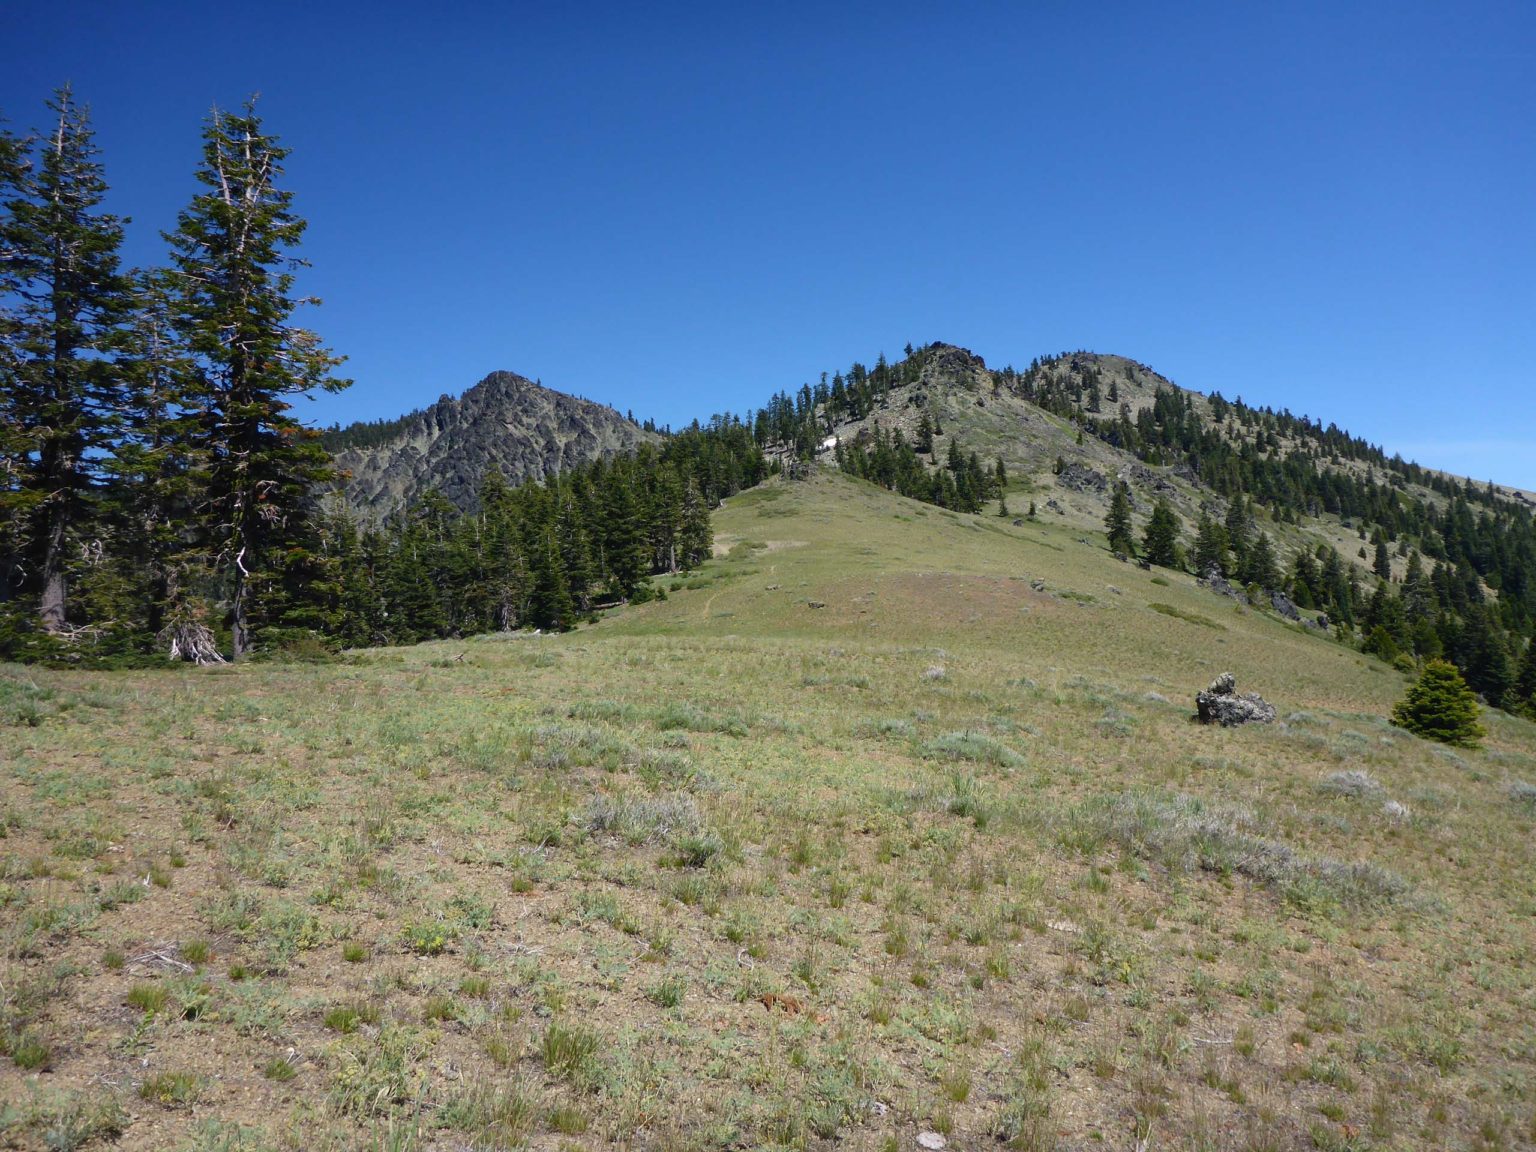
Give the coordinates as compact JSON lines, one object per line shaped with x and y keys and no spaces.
{"x":506,"y":422}
{"x":951,"y":365}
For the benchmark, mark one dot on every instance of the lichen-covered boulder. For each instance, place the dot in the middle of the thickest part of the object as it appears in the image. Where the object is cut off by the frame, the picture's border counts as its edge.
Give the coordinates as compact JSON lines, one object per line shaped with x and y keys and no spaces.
{"x":1222,"y":704}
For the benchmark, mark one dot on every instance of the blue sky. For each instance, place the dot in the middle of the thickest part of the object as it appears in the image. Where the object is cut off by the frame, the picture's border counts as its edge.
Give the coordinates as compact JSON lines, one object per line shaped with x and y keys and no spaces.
{"x":679,"y":209}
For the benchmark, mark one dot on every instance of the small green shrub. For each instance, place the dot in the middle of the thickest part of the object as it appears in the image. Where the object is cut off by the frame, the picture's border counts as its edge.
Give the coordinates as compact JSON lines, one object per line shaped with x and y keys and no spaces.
{"x":195,"y":951}
{"x":29,"y":1052}
{"x":342,"y":1018}
{"x":148,"y":998}
{"x":429,"y":939}
{"x":171,"y":1089}
{"x":495,"y":1116}
{"x":1440,"y":706}
{"x":569,"y":1052}
{"x":439,"y":1009}
{"x":667,"y":993}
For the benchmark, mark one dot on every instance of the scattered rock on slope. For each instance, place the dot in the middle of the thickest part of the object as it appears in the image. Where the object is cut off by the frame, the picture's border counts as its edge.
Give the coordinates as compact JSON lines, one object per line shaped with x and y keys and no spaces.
{"x":1222,"y":704}
{"x":1217,"y":583}
{"x":1081,"y":478}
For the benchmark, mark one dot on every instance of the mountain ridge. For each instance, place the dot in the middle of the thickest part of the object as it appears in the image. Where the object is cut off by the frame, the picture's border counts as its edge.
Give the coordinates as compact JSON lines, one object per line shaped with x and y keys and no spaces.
{"x":528,"y":430}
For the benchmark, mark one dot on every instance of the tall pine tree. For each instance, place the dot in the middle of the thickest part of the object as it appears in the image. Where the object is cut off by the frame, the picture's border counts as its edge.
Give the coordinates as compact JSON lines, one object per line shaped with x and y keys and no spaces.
{"x":60,"y":390}
{"x":233,"y":283}
{"x":695,"y":534}
{"x":1117,"y":522}
{"x":1210,"y":547}
{"x":1525,"y":681}
{"x":1161,"y":540}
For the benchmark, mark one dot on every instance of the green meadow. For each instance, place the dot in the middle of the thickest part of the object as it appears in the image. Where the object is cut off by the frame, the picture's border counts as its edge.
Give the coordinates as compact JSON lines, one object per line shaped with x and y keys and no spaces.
{"x":887,"y":821}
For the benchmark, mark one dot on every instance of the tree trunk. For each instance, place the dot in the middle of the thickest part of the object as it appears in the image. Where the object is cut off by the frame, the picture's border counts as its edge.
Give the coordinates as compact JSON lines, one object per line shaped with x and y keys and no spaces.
{"x":238,"y":628}
{"x":55,"y":581}
{"x":55,"y":590}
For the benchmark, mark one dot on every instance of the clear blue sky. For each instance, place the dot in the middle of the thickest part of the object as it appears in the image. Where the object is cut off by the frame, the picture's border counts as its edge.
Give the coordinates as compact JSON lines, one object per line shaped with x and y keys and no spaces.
{"x":680,"y":209}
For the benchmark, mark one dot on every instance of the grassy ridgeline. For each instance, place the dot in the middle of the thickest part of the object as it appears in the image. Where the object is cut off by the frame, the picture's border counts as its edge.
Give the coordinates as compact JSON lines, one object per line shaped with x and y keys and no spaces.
{"x":890,"y":819}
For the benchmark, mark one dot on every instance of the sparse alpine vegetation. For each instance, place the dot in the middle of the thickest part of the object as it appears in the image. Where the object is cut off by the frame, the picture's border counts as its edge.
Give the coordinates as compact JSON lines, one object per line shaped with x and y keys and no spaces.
{"x":726,"y":857}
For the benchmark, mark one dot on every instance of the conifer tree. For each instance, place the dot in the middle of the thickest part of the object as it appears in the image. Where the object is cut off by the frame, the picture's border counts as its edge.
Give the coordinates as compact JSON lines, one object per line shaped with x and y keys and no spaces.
{"x":14,"y":499}
{"x":1210,"y":547}
{"x":1381,"y":564}
{"x":1440,"y":706}
{"x":1160,"y":542}
{"x":149,"y":464}
{"x":575,"y":555}
{"x":1117,"y":522}
{"x":550,"y":605}
{"x":1339,"y":588}
{"x":1260,"y":566}
{"x":1525,"y":681}
{"x":695,"y":534}
{"x":409,"y":586}
{"x":233,"y":285}
{"x":1418,"y":592}
{"x":1306,"y":580}
{"x":923,"y":441}
{"x":1482,"y":655}
{"x":1238,"y":529}
{"x":60,"y":390}
{"x":955,"y":462}
{"x":624,"y":545}
{"x":506,"y":569}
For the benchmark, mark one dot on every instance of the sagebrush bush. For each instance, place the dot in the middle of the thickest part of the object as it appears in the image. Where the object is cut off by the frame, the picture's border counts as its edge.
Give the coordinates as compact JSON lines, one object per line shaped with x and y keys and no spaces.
{"x":1353,"y":782}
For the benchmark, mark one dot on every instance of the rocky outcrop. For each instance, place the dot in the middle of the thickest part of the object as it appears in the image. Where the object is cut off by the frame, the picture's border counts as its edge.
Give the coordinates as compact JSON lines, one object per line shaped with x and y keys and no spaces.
{"x":506,"y":423}
{"x":1283,"y":605}
{"x":947,"y":365}
{"x":1081,"y":478}
{"x":1139,"y":475}
{"x":1222,"y":704}
{"x":1216,"y":582}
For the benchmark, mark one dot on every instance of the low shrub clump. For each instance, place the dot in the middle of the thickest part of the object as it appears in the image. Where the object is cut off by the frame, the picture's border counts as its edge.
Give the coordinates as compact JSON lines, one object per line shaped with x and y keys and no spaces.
{"x":1185,"y":832}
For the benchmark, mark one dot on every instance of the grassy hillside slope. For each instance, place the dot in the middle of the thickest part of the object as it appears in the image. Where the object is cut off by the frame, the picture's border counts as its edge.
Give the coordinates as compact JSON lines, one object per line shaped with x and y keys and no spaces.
{"x":889,"y":821}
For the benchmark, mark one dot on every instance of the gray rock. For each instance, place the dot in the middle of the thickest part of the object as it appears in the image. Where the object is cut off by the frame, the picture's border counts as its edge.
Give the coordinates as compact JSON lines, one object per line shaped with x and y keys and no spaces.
{"x":1081,"y":478}
{"x":1222,"y":704}
{"x":1283,"y":605}
{"x":1214,"y":580}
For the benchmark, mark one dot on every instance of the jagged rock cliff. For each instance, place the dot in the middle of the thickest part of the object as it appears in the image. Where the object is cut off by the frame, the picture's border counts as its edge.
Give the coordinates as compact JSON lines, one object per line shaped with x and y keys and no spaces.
{"x":506,"y":422}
